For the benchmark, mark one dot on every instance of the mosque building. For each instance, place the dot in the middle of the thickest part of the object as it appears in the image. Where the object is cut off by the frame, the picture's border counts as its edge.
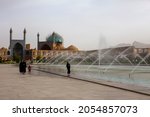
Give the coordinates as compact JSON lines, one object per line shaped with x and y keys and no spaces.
{"x":53,"y":42}
{"x":52,"y":45}
{"x":17,"y":46}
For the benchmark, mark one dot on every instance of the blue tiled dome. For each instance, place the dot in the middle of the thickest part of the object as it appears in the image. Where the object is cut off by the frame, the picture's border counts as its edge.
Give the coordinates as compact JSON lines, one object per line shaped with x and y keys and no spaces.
{"x":55,"y":38}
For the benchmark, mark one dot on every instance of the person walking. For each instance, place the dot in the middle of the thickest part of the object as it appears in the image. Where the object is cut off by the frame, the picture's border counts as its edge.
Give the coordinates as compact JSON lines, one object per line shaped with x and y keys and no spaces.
{"x":68,"y":66}
{"x":29,"y":68}
{"x":24,"y":66}
{"x":20,"y":67}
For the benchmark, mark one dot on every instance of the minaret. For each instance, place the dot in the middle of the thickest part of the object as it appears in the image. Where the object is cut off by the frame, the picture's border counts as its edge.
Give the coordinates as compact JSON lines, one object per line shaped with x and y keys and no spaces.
{"x":10,"y":36}
{"x":24,"y":34}
{"x":38,"y":37}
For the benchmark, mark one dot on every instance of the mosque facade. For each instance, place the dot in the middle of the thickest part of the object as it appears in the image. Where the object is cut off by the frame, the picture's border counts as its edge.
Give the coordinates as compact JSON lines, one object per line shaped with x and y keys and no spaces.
{"x":51,"y":46}
{"x":17,"y":46}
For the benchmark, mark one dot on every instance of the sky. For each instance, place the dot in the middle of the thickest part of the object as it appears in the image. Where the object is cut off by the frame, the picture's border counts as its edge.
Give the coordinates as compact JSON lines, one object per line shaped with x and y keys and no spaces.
{"x":87,"y":24}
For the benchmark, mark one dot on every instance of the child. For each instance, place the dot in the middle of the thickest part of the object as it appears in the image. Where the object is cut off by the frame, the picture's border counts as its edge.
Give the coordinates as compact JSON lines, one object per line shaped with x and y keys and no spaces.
{"x":29,"y":68}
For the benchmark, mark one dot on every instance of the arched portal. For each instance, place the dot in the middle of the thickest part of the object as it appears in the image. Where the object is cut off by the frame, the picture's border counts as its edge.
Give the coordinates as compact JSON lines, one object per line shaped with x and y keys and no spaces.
{"x":18,"y":51}
{"x":8,"y":53}
{"x":45,"y":47}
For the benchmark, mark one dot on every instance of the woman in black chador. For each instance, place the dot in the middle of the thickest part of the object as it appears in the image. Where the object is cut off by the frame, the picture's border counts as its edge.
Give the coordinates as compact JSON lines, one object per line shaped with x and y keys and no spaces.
{"x":68,"y":68}
{"x":24,"y":67}
{"x":20,"y":67}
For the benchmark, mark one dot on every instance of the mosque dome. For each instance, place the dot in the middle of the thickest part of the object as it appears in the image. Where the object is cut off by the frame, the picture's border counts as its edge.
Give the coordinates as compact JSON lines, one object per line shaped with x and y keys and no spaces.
{"x":72,"y":47}
{"x":55,"y":38}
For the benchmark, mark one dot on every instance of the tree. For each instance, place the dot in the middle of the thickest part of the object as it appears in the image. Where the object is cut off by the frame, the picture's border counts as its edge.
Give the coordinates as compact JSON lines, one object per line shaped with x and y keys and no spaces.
{"x":16,"y":58}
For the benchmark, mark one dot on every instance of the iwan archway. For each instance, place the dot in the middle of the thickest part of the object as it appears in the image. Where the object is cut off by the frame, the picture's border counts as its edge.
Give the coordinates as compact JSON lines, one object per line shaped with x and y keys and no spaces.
{"x":17,"y":46}
{"x":18,"y":51}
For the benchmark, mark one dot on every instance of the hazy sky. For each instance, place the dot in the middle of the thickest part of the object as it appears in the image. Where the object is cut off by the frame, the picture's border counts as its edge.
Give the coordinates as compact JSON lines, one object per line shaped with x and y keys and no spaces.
{"x":79,"y":22}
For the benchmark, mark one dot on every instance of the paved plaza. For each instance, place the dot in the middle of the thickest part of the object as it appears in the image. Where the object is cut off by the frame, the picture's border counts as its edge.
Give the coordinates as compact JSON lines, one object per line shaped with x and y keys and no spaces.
{"x":40,"y":85}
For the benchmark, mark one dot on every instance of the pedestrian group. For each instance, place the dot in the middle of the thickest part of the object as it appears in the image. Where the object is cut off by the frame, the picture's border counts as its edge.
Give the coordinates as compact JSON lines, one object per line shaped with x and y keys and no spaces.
{"x":22,"y":67}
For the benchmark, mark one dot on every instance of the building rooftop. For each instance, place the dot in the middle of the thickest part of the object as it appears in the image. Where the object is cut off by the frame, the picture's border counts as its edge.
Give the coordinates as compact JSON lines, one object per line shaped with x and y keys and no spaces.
{"x":140,"y":45}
